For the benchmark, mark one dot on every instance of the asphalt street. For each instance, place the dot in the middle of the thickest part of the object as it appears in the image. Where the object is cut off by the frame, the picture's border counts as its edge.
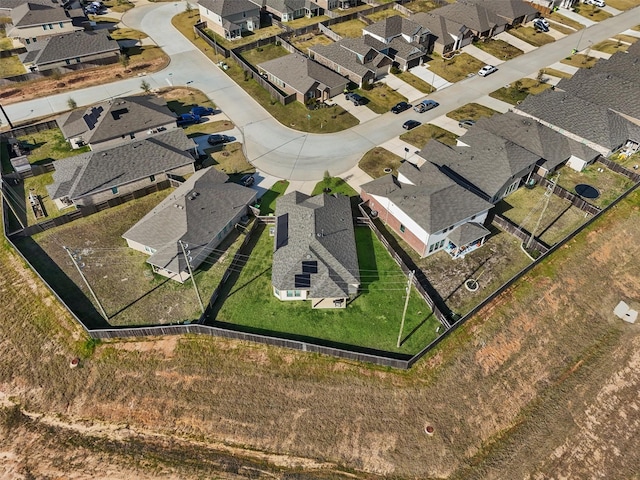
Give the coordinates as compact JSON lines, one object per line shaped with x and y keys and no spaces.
{"x":274,"y":148}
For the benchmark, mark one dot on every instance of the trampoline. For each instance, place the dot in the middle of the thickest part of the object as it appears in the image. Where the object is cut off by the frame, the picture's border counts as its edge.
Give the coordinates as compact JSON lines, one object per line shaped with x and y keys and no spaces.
{"x":587,"y":191}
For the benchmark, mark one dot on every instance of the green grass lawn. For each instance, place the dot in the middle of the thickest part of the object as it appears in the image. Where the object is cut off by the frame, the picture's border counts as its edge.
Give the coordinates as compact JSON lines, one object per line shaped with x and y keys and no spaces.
{"x":11,"y":66}
{"x":519,"y":90}
{"x":622,"y":4}
{"x":336,"y":185}
{"x":372,"y":320}
{"x":230,"y":159}
{"x":49,"y":145}
{"x":351,"y":29}
{"x":610,"y":46}
{"x":382,"y":14}
{"x":263,"y":54}
{"x":422,"y":5}
{"x":304,"y":21}
{"x":610,"y":184}
{"x":499,"y":49}
{"x":119,"y":5}
{"x":377,"y":159}
{"x":208,"y":127}
{"x":472,"y":111}
{"x":304,"y":42}
{"x":591,"y":12}
{"x":127,"y":34}
{"x":381,"y":97}
{"x":531,"y":36}
{"x":456,"y":68}
{"x":268,"y":200}
{"x":419,"y":136}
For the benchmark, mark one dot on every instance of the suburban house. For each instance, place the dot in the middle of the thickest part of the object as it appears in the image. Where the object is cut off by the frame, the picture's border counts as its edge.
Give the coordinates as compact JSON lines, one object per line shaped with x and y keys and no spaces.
{"x":488,"y":165}
{"x":193,"y":220}
{"x":515,"y":12}
{"x":404,"y":41}
{"x":449,"y":35}
{"x":429,"y":210}
{"x":230,"y":18}
{"x":315,"y":256}
{"x":597,"y":126}
{"x":482,"y":22}
{"x":354,"y":58}
{"x":287,"y":10}
{"x":95,"y":47}
{"x":109,"y":123}
{"x":98,"y":176}
{"x":332,"y":4}
{"x":553,"y":148}
{"x":31,"y":21}
{"x":299,"y":75}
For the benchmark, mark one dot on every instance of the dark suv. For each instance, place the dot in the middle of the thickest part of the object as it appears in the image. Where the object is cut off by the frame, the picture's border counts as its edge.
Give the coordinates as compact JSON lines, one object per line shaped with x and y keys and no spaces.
{"x":400,"y":107}
{"x":218,"y":139}
{"x":247,"y":180}
{"x":355,"y":98}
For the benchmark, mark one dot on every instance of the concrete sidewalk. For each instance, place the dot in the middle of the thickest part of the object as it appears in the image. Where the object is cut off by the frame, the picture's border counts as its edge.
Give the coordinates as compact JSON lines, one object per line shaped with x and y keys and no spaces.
{"x":570,"y":69}
{"x":423,"y":72}
{"x":481,"y":55}
{"x":356,"y":177}
{"x":516,"y":42}
{"x":402,"y":87}
{"x":494,"y":104}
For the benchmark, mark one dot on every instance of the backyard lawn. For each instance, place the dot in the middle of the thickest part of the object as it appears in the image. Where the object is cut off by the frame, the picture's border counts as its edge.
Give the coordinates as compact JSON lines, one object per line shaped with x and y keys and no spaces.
{"x":422,"y":5}
{"x":455,"y":69}
{"x":304,"y":42}
{"x":519,"y":90}
{"x":37,"y":185}
{"x":263,"y":54}
{"x":11,"y":66}
{"x":372,"y":320}
{"x":49,"y":145}
{"x":350,"y":29}
{"x":377,"y":159}
{"x":419,"y":136}
{"x":124,"y":283}
{"x":610,"y":184}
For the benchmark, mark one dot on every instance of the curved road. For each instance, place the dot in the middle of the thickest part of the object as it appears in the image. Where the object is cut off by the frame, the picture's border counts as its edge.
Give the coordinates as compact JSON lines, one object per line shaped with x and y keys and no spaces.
{"x":274,"y":148}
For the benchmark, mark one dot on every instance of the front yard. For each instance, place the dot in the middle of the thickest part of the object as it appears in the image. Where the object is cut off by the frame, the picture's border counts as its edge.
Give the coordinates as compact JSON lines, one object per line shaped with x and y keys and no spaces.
{"x":419,"y":136}
{"x":531,"y":36}
{"x":519,"y":90}
{"x":381,"y":97}
{"x":455,"y":69}
{"x":376,"y":160}
{"x":49,"y":145}
{"x":124,"y":283}
{"x":472,"y":111}
{"x":372,"y":320}
{"x":499,"y":49}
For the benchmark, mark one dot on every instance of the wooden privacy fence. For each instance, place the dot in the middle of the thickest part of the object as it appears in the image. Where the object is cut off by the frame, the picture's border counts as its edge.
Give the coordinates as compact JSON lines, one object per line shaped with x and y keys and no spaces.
{"x":511,"y":228}
{"x":198,"y":29}
{"x":565,"y":194}
{"x":29,"y":129}
{"x":616,"y":167}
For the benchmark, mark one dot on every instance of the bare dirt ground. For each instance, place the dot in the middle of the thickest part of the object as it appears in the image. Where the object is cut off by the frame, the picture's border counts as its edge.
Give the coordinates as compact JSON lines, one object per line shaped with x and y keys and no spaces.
{"x":83,"y":78}
{"x":543,"y":383}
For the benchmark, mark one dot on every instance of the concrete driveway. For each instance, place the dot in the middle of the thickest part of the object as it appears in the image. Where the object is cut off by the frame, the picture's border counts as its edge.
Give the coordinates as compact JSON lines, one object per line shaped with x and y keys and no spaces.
{"x":402,"y":87}
{"x":274,"y":148}
{"x":436,"y":81}
{"x":481,"y":55}
{"x":516,"y":42}
{"x":361,"y":112}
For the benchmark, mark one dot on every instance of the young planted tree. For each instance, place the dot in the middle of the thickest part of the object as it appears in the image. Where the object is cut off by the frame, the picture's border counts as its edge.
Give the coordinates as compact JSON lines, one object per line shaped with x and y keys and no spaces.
{"x":71,"y":103}
{"x":145,"y":86}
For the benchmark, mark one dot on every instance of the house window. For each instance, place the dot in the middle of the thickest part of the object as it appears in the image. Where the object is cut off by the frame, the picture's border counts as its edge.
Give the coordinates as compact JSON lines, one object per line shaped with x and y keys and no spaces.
{"x":441,"y":244}
{"x":293,"y":293}
{"x":44,"y":27}
{"x":27,"y":41}
{"x":114,"y":190}
{"x":77,"y":59}
{"x":149,"y":250}
{"x":276,"y":291}
{"x":152,"y":178}
{"x":402,"y":228}
{"x":61,"y":25}
{"x":34,"y":40}
{"x":431,"y":247}
{"x":132,"y":135}
{"x":68,"y":62}
{"x":50,"y":27}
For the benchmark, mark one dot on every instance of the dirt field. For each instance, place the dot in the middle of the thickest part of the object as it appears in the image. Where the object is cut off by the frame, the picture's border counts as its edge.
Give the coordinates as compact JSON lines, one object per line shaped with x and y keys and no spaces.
{"x":541,"y":384}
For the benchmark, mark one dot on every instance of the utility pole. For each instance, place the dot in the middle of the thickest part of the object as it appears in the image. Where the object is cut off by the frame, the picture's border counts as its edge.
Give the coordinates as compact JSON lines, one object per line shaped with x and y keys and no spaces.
{"x":186,"y":258}
{"x":406,"y":304}
{"x":73,"y":259}
{"x":549,"y":193}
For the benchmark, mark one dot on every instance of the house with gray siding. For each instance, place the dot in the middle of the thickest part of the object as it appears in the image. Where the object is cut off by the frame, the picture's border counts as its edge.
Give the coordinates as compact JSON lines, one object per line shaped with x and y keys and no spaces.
{"x":305,"y":78}
{"x":315,"y":256}
{"x":190,"y":223}
{"x":97,"y":176}
{"x":482,"y":22}
{"x":95,"y":47}
{"x":448,"y":35}
{"x":113,"y":122}
{"x":230,"y":18}
{"x":287,"y":10}
{"x":32,"y":21}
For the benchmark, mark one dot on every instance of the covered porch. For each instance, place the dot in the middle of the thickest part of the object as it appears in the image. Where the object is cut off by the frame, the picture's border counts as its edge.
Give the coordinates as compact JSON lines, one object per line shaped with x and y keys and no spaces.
{"x":465,"y":239}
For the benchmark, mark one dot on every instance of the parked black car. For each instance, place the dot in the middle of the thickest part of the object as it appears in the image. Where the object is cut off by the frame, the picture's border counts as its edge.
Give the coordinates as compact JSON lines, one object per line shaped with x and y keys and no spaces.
{"x":400,"y":107}
{"x":355,"y":98}
{"x":217,"y":139}
{"x":247,"y":180}
{"x":409,"y":124}
{"x":188,"y":119}
{"x":202,"y":111}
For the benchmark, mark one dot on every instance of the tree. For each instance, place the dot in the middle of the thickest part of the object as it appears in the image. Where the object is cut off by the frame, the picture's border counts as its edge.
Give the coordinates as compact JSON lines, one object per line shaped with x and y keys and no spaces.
{"x":145,"y":86}
{"x":71,"y":103}
{"x":188,"y":8}
{"x":123,"y":58}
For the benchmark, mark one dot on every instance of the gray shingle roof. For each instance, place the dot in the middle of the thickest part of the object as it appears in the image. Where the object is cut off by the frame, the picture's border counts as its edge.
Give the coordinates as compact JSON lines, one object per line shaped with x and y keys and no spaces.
{"x":509,"y":9}
{"x":488,"y":163}
{"x":590,"y":121}
{"x":467,"y":233}
{"x":394,"y":26}
{"x":316,"y":229}
{"x":432,"y":199}
{"x":36,"y":13}
{"x":621,"y":65}
{"x":301,"y":73}
{"x":114,"y":118}
{"x":348,"y":52}
{"x":605,"y":89}
{"x":473,"y":16}
{"x":440,"y":27}
{"x":96,"y":171}
{"x":545,"y":142}
{"x":194,"y":213}
{"x":80,"y":44}
{"x":226,"y":8}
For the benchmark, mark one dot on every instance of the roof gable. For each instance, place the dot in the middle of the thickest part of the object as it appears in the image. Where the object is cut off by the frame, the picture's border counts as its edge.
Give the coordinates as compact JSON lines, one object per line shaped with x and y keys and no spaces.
{"x":302,"y":73}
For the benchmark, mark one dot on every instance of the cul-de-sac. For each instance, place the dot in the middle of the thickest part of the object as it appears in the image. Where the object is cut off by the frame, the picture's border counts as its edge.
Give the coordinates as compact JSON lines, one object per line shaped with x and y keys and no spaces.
{"x":319,"y":239}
